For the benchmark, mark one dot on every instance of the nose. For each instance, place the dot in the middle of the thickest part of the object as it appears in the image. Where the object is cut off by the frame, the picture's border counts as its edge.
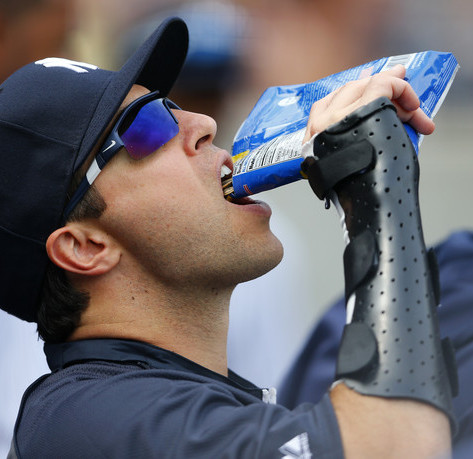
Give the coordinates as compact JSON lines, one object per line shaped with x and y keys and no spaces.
{"x":196,"y":131}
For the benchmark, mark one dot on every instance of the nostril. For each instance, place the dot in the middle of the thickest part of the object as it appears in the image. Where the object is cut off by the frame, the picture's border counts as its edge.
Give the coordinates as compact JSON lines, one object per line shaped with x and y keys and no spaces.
{"x":202,"y":140}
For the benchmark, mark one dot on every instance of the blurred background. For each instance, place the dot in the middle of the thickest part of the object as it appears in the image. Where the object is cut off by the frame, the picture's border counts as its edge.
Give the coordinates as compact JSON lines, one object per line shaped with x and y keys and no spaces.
{"x":237,"y":49}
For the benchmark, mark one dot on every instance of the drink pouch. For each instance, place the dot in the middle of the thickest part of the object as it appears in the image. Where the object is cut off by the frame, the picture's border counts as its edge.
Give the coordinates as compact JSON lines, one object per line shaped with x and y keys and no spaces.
{"x":267,"y":149}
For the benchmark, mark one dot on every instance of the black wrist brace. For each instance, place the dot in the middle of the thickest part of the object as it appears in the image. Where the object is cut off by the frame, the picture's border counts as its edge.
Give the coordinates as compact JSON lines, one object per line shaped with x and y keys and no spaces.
{"x":366,"y":165}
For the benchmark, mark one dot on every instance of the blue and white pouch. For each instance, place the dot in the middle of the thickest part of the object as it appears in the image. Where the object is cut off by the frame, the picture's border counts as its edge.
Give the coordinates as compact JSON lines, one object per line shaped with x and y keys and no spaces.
{"x":267,"y":149}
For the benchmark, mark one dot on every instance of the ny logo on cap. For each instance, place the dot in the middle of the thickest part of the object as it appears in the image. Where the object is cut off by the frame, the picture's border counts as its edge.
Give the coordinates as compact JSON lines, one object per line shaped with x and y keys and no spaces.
{"x":78,"y":67}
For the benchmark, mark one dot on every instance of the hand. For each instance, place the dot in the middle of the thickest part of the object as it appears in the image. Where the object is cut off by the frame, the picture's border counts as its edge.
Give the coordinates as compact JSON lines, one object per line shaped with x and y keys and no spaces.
{"x":355,"y":94}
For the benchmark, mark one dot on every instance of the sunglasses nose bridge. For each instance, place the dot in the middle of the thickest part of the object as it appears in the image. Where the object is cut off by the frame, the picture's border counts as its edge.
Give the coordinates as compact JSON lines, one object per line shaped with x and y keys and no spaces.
{"x":170,"y":105}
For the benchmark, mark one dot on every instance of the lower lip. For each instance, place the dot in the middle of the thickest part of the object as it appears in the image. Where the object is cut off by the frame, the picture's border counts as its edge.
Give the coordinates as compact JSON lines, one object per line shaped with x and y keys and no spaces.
{"x":258,"y":207}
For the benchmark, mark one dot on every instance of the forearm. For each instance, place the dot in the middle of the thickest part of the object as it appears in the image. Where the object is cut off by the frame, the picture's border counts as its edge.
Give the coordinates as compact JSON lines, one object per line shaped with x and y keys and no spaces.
{"x":391,"y":346}
{"x":375,"y":427}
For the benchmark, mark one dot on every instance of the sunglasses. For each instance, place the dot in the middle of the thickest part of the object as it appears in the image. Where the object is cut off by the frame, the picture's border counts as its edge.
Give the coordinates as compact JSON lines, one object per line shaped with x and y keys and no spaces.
{"x":143,"y":127}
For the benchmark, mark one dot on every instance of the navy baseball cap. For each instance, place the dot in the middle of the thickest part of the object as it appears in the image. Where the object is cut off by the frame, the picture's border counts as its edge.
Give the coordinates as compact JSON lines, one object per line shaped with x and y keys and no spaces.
{"x":52,"y":114}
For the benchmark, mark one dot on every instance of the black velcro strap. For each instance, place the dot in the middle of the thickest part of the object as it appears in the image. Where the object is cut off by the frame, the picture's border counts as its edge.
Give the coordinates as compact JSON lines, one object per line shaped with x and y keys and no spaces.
{"x":358,"y":350}
{"x":324,"y":173}
{"x":434,"y":274}
{"x":360,"y":260}
{"x":451,"y":364}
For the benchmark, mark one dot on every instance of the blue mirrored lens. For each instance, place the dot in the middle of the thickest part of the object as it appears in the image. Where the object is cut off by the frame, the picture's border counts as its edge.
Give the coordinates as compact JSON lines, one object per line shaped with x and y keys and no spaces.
{"x":152,"y":127}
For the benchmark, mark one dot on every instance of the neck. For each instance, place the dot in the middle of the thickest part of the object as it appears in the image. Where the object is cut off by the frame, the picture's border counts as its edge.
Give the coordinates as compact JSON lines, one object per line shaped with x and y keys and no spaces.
{"x":187,"y":321}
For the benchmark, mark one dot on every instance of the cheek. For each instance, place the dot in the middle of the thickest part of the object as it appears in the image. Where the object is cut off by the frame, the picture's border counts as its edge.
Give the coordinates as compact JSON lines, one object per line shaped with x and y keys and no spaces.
{"x":132,"y":185}
{"x":163,"y":197}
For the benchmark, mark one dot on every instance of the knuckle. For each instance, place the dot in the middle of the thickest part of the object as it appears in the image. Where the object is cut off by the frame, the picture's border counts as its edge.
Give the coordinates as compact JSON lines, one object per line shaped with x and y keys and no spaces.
{"x":383,"y":76}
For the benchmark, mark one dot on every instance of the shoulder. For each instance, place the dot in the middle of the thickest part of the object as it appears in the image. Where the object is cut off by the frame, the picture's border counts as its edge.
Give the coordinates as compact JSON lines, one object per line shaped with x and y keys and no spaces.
{"x":455,"y":260}
{"x":457,"y":248}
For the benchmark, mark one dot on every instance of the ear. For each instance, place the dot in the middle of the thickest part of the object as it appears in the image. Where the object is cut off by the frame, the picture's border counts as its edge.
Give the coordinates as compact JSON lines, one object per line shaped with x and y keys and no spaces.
{"x":82,"y":250}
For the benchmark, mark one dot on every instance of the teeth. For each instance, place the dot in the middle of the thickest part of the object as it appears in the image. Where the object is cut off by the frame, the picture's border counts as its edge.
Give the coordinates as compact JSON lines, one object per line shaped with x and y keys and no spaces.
{"x":225,"y":171}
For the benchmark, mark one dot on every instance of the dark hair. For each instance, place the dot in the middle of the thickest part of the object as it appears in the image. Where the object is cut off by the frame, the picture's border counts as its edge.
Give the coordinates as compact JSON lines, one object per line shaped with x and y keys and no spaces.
{"x":62,"y":304}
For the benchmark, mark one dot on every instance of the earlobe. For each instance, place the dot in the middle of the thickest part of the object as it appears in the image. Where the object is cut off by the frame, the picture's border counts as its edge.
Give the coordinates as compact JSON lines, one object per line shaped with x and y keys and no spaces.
{"x":82,"y":251}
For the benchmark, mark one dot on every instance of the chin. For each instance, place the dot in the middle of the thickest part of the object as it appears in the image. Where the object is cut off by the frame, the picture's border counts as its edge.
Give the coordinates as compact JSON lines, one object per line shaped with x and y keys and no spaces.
{"x":277,"y":252}
{"x":264,"y":259}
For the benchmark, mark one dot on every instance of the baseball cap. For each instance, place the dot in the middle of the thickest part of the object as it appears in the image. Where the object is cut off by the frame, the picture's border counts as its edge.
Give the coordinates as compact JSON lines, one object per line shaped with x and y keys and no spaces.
{"x":52,"y":114}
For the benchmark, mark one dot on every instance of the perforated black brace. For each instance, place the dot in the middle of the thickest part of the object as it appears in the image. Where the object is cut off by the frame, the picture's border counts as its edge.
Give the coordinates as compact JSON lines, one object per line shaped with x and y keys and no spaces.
{"x":391,"y":347}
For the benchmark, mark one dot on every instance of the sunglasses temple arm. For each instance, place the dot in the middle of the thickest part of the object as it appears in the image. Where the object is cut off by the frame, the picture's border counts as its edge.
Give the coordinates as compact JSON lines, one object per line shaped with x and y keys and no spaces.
{"x":90,"y":176}
{"x":78,"y":195}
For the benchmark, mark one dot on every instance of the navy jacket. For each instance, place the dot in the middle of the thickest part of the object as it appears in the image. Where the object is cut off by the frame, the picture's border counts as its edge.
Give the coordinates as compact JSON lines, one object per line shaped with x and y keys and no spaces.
{"x":127,"y":399}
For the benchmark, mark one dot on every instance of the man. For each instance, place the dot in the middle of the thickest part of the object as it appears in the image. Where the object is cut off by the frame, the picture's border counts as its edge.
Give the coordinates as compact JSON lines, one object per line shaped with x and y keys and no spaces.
{"x":143,"y":253}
